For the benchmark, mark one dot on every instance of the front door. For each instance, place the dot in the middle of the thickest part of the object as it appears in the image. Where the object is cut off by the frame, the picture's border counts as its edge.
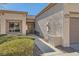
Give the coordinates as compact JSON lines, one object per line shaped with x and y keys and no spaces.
{"x":13,"y":27}
{"x":30,"y":26}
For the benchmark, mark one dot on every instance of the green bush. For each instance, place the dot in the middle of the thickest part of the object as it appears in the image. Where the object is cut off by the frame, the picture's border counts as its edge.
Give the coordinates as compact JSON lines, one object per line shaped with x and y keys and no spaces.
{"x":17,"y":47}
{"x":6,"y":38}
{"x":9,"y":38}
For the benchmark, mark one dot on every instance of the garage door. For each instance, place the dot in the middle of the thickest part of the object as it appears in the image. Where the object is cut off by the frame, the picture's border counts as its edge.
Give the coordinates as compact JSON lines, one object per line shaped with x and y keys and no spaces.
{"x":74,"y":30}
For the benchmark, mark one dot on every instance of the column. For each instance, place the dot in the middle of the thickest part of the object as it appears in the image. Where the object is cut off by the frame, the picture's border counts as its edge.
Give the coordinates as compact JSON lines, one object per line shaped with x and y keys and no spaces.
{"x":66,"y":39}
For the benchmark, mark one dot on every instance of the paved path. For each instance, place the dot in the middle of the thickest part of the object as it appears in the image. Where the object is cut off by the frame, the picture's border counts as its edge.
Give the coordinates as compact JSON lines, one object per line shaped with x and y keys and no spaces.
{"x":44,"y":46}
{"x":49,"y":50}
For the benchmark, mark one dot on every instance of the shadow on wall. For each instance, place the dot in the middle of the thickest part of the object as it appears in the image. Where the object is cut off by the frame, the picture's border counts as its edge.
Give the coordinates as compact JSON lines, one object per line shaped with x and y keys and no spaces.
{"x":39,"y":32}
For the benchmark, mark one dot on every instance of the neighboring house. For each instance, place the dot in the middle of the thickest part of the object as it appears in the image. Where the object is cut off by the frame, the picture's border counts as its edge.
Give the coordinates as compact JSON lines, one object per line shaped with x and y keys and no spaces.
{"x":58,"y":24}
{"x":15,"y":22}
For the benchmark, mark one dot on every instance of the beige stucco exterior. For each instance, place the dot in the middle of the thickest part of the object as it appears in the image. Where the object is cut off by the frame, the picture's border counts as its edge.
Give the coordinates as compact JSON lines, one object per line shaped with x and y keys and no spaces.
{"x":70,"y":10}
{"x":53,"y":18}
{"x":56,"y":24}
{"x":12,"y":16}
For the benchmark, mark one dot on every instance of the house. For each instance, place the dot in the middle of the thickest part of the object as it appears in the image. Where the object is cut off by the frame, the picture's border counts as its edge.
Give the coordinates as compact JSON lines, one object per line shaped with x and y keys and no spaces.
{"x":58,"y":24}
{"x":15,"y":22}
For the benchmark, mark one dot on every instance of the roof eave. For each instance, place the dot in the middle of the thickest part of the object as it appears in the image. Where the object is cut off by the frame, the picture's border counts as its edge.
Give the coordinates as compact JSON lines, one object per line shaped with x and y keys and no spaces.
{"x":46,"y":8}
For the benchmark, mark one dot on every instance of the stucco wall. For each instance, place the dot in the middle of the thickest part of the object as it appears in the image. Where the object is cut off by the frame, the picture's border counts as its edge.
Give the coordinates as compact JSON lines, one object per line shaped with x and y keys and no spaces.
{"x":52,"y":18}
{"x":60,"y":14}
{"x":68,"y":7}
{"x":14,"y":16}
{"x":71,"y":7}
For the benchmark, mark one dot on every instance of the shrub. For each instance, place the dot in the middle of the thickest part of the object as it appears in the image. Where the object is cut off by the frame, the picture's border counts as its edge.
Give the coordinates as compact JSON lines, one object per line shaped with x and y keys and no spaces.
{"x":17,"y":47}
{"x":3,"y":35}
{"x":9,"y":38}
{"x":6,"y":38}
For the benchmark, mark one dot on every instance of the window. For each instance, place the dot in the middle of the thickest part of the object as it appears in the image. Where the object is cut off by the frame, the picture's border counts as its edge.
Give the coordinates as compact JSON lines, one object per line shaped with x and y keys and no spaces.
{"x":14,"y":27}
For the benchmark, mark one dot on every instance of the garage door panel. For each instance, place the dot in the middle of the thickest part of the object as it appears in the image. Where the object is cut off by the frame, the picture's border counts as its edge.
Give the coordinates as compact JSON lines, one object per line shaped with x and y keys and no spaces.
{"x":74,"y":30}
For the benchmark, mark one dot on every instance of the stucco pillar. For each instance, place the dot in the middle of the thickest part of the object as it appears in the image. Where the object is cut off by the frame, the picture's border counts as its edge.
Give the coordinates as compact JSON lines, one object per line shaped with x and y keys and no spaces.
{"x":24,"y":27}
{"x":2,"y":25}
{"x":66,"y":39}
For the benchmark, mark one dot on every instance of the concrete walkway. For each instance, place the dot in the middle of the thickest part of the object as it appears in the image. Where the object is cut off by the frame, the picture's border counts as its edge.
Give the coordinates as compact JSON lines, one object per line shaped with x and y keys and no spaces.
{"x":49,"y":50}
{"x":44,"y":46}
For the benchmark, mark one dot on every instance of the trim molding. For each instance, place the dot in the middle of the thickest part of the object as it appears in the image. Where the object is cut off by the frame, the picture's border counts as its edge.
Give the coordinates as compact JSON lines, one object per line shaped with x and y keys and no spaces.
{"x":8,"y":11}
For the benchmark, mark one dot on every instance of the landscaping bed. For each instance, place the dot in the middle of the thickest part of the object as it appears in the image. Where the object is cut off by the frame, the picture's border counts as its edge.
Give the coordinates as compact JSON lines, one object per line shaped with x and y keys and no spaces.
{"x":16,"y":45}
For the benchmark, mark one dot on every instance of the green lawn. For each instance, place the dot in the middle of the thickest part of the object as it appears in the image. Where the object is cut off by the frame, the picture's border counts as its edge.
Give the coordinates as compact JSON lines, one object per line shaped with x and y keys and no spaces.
{"x":16,"y":45}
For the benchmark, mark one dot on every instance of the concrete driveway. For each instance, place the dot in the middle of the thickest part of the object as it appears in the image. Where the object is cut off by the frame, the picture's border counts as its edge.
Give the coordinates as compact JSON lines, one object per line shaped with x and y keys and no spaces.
{"x":75,"y":46}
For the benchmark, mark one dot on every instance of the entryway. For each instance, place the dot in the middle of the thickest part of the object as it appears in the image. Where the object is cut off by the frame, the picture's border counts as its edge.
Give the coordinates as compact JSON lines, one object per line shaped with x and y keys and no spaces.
{"x":30,"y":28}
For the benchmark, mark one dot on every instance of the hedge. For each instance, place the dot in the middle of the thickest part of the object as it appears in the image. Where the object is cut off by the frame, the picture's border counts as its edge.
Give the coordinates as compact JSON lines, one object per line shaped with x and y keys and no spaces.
{"x":9,"y":38}
{"x":17,"y":47}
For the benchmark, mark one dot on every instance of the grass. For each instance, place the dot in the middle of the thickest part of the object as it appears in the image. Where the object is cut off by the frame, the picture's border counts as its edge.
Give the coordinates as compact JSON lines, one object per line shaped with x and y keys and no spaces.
{"x":16,"y":45}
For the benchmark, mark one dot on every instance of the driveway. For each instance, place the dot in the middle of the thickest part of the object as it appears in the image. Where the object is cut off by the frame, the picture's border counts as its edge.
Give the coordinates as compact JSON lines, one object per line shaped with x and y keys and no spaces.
{"x":75,"y":46}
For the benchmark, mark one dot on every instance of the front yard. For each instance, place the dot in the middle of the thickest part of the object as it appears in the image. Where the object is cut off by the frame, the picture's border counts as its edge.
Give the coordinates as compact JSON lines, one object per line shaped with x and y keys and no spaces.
{"x":16,"y":45}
